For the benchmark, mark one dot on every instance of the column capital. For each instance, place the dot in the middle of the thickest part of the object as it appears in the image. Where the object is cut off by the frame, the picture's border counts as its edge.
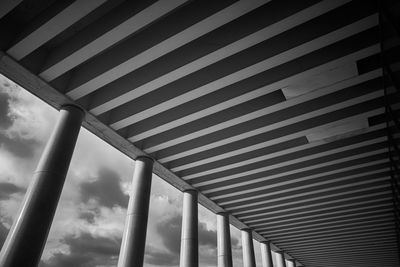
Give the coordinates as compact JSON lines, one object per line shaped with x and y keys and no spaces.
{"x":72,"y":105}
{"x":187,"y":190}
{"x":144,"y":157}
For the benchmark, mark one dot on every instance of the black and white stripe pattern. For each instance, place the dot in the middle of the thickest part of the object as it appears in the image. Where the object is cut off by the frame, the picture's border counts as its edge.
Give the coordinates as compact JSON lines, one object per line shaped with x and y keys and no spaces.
{"x":273,"y":110}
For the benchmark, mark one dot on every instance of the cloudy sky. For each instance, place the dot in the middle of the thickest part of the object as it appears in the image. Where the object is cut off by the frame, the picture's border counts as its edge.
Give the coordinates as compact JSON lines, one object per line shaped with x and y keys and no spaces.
{"x":89,"y":221}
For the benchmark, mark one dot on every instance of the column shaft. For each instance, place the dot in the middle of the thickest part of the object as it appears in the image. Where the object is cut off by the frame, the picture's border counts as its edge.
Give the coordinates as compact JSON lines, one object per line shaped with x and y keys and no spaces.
{"x":224,"y":241}
{"x":189,"y":239}
{"x":291,"y":263}
{"x":266,"y":254}
{"x":248,"y":248}
{"x":134,"y":238}
{"x":28,"y":235}
{"x":280,"y":258}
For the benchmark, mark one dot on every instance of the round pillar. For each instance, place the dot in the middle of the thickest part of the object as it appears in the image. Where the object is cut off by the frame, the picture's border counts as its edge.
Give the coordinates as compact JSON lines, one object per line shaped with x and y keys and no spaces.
{"x":224,"y":240}
{"x":248,"y":248}
{"x":28,"y":234}
{"x":189,"y":239}
{"x":291,"y":263}
{"x":280,"y":259}
{"x":134,"y":237}
{"x":266,"y":254}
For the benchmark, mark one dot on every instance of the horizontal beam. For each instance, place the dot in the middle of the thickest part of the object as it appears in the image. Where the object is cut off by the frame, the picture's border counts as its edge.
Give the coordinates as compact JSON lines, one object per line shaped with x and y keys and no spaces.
{"x":359,"y":216}
{"x":338,"y":239}
{"x":288,"y":191}
{"x":367,"y":226}
{"x":323,"y":211}
{"x":341,"y":241}
{"x":298,"y":172}
{"x":316,"y":205}
{"x":313,"y":198}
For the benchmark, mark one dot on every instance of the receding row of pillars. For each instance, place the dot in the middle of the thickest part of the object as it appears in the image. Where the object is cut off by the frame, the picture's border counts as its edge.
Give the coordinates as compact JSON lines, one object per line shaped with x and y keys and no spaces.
{"x":27,"y":237}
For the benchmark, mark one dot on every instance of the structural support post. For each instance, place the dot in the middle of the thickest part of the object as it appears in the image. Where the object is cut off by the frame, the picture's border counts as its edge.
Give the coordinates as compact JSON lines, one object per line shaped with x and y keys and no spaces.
{"x":291,"y":263}
{"x":248,"y":248}
{"x":224,"y":240}
{"x":134,"y":238}
{"x":280,"y":259}
{"x":189,"y":239}
{"x":28,"y":234}
{"x":266,"y":254}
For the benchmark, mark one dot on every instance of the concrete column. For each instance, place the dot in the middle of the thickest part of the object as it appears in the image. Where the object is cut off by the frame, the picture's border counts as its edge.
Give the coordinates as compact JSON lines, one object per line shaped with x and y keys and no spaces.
{"x":224,"y":241}
{"x":134,"y":238}
{"x":291,"y":263}
{"x":248,"y":248}
{"x":28,"y":234}
{"x":189,"y":238}
{"x":266,"y":254}
{"x":280,"y":259}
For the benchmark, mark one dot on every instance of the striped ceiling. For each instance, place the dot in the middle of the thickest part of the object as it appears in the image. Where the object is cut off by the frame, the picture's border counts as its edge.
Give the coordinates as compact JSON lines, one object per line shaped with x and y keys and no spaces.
{"x":273,"y":110}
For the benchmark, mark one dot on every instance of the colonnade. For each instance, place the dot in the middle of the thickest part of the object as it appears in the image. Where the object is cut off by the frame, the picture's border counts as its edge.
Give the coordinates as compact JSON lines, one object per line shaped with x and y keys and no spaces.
{"x":27,"y":237}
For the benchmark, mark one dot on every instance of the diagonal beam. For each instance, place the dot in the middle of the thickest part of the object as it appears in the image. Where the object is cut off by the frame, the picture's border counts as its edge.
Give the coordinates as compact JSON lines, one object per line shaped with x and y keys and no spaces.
{"x":57,"y":65}
{"x":252,"y":70}
{"x":189,"y":34}
{"x":281,"y":107}
{"x":277,"y":125}
{"x":70,"y":15}
{"x":7,"y":5}
{"x":220,"y":54}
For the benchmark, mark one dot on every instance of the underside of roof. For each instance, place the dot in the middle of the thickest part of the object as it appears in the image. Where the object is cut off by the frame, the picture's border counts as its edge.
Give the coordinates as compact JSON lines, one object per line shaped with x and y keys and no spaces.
{"x":276,"y":111}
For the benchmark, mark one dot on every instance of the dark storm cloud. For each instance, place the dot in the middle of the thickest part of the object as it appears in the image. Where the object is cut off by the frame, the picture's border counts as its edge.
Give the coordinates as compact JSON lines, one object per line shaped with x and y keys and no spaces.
{"x":86,"y":250}
{"x":7,"y":189}
{"x":161,"y":258}
{"x":4,"y":229}
{"x":207,"y":237}
{"x":235,"y":243}
{"x":89,"y":216}
{"x":106,"y":190}
{"x":3,"y":234}
{"x":20,"y":147}
{"x":169,"y":231}
{"x":5,"y":120}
